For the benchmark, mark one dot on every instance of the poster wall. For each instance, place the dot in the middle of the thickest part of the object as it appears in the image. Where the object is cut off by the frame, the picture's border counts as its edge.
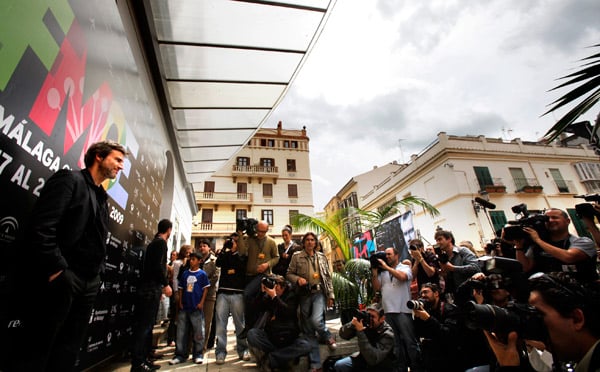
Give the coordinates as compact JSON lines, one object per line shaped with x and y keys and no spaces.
{"x":68,"y":79}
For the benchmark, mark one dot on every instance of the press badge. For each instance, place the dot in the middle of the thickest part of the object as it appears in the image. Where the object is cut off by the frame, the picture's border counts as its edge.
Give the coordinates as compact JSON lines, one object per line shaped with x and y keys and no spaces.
{"x":261,"y":256}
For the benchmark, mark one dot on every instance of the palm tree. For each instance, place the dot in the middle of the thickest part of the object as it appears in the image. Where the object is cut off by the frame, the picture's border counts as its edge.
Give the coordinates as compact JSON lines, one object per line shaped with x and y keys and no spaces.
{"x":588,"y":91}
{"x":374,"y":219}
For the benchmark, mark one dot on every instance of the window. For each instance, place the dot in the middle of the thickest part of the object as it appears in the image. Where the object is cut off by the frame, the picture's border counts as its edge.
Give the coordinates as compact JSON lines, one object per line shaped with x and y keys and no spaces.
{"x":294,"y":144}
{"x":267,"y":162}
{"x":209,"y":189}
{"x":286,"y":144}
{"x":263,"y":142}
{"x":498,"y":219}
{"x":293,"y":213}
{"x":293,"y":191}
{"x":207,"y":216}
{"x":291,"y":165}
{"x":242,"y":161}
{"x":483,"y":177}
{"x":242,"y":190}
{"x":241,"y":213}
{"x":267,"y":142}
{"x":519,"y":177}
{"x":267,"y":215}
{"x":558,"y":180}
{"x":267,"y":189}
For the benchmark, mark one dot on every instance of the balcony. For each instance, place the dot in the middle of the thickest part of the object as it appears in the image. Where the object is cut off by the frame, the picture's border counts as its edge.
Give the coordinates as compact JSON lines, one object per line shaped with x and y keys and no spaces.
{"x":229,"y":198}
{"x":497,"y":186}
{"x":206,"y":229}
{"x":259,"y":171}
{"x":527,"y":185}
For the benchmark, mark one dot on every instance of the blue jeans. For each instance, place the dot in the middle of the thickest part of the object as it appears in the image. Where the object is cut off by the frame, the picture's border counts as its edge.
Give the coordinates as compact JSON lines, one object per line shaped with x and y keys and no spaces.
{"x":230,"y":303}
{"x":195,"y":321}
{"x":278,"y":356}
{"x":407,"y":350}
{"x":312,"y":308}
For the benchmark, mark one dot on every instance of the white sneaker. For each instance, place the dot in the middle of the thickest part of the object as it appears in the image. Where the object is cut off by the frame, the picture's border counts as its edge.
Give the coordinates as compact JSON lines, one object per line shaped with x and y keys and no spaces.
{"x":198,"y":360}
{"x":175,"y":361}
{"x":246,"y":356}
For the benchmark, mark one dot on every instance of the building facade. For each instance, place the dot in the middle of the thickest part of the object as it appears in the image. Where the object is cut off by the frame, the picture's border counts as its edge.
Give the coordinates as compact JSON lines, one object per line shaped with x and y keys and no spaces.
{"x":454,"y":170}
{"x":269,"y":179}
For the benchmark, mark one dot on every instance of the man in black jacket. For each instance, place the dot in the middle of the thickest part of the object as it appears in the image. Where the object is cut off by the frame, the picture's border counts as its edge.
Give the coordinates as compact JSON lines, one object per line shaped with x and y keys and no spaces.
{"x":66,"y":240}
{"x":375,"y":343}
{"x":153,"y":283}
{"x":277,"y":342}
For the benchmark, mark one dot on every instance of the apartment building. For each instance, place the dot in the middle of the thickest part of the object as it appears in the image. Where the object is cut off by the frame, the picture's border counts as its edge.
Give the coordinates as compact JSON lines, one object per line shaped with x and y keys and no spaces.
{"x":454,"y":170}
{"x":268,"y":179}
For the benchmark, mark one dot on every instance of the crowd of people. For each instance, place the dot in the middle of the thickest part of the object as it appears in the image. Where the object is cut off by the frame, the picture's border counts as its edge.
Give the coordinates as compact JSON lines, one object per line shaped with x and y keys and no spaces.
{"x":532,"y":304}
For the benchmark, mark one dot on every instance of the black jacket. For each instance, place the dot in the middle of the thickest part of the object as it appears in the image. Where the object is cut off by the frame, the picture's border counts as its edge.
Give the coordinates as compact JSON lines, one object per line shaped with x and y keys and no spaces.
{"x":69,"y":225}
{"x":282,"y":312}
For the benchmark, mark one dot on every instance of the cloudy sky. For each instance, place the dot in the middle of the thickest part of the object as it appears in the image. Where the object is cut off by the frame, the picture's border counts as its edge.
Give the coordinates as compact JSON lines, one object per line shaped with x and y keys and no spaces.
{"x":386,"y":76}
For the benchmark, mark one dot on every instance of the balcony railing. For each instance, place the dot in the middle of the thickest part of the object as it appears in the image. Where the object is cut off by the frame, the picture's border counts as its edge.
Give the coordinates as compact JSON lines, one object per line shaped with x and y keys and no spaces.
{"x":224,"y":197}
{"x":212,"y":228}
{"x":495,"y":187}
{"x":255,"y":170}
{"x":527,"y":185}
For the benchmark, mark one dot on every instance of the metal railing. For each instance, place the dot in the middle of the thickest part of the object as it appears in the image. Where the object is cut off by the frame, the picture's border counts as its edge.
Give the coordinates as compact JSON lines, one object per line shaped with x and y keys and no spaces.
{"x":223,"y":197}
{"x":255,"y":169}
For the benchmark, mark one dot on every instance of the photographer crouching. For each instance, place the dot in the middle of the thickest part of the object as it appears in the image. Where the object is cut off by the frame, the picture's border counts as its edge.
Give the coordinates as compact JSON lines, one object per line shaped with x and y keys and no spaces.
{"x":375,"y":342}
{"x":558,"y":251}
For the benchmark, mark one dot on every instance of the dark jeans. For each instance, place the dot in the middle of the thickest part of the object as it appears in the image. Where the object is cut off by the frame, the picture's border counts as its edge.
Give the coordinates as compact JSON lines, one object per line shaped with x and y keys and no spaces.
{"x":146,"y":308}
{"x":56,"y":323}
{"x":278,"y":355}
{"x":251,"y":292}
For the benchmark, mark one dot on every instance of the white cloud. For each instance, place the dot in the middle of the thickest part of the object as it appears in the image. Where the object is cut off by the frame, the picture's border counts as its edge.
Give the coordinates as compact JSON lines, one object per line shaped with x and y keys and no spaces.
{"x":398,"y":69}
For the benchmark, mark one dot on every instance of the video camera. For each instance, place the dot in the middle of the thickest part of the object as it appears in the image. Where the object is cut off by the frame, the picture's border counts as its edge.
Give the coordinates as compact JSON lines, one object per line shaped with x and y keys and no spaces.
{"x":587,"y":210}
{"x":364,"y":317}
{"x":514,"y":229}
{"x":522,"y":318}
{"x":246,"y":225}
{"x":374,"y":259}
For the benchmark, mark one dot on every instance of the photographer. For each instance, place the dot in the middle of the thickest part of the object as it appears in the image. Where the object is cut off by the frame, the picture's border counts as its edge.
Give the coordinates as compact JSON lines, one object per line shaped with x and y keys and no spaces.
{"x":393,"y":279}
{"x":561,"y":251}
{"x":436,"y":324}
{"x":262,"y":255}
{"x":570,"y":313}
{"x":375,"y":343}
{"x":425,"y":265}
{"x":277,"y":342}
{"x":458,"y":264}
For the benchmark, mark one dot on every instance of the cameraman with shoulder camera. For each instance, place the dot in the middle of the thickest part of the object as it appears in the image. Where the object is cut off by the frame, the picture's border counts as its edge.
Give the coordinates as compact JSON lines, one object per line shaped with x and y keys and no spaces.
{"x":393,"y":279}
{"x":261,"y":252}
{"x":276,"y":342}
{"x":375,"y":343}
{"x":561,"y":252}
{"x":570,"y":313}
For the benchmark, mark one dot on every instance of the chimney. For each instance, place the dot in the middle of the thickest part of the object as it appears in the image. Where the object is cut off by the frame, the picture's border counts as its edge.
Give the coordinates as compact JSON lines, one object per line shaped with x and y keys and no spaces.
{"x":279,"y":128}
{"x":304,"y":131}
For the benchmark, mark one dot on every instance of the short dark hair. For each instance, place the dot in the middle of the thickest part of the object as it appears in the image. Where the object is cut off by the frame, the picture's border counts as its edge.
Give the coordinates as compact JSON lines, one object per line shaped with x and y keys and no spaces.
{"x":102,"y":149}
{"x":164,"y":225}
{"x":434,"y":287}
{"x":444,"y":234}
{"x":565,"y":294}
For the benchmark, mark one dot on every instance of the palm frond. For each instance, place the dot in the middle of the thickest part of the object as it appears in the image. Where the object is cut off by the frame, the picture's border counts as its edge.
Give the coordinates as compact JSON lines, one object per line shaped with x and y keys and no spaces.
{"x":588,"y":91}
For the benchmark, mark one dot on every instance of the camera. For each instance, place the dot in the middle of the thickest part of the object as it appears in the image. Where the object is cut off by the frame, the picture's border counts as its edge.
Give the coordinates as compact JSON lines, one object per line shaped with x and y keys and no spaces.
{"x":363,"y":316}
{"x":586,"y":210}
{"x":522,"y":318}
{"x":420,"y":304}
{"x":499,"y":265}
{"x":413,"y":247}
{"x":268,"y":282}
{"x":374,"y":259}
{"x":246,"y":225}
{"x":514,"y":229}
{"x":441,"y":254}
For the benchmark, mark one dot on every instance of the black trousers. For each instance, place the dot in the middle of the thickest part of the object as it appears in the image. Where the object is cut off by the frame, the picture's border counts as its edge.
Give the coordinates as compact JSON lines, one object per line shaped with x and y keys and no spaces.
{"x":146,"y":308}
{"x":55,"y":322}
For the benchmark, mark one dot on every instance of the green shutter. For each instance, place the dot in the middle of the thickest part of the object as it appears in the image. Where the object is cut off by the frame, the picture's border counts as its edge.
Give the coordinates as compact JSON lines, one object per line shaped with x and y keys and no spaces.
{"x":578,"y":223}
{"x":498,"y":219}
{"x":483,"y":177}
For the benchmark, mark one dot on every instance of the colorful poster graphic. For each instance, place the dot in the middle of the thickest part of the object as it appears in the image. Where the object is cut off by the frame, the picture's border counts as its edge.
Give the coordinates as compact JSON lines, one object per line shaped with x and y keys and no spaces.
{"x":68,"y":79}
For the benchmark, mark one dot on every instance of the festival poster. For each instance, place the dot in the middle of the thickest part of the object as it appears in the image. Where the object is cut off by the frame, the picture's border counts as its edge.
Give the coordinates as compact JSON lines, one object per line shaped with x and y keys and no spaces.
{"x":68,"y":79}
